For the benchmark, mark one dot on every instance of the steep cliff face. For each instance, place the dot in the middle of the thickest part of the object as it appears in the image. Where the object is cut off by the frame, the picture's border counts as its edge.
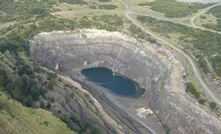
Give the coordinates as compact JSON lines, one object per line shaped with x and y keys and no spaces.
{"x":164,"y":106}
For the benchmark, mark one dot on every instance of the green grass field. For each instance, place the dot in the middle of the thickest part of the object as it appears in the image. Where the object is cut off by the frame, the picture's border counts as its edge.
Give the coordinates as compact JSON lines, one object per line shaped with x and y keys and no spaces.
{"x":216,"y":13}
{"x":17,"y":119}
{"x":174,"y":9}
{"x":205,"y":20}
{"x":93,"y":7}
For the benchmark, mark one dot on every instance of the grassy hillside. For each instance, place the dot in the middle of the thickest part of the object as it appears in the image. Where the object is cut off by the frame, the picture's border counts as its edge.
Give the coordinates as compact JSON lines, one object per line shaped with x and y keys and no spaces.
{"x":17,"y":119}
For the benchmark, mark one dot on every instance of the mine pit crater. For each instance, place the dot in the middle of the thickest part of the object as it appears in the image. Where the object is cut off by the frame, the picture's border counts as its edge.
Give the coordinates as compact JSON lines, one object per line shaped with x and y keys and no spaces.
{"x":70,"y":53}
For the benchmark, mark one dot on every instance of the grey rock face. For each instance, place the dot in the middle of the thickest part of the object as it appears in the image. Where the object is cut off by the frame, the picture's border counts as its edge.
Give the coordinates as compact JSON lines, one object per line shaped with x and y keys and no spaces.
{"x":73,"y":53}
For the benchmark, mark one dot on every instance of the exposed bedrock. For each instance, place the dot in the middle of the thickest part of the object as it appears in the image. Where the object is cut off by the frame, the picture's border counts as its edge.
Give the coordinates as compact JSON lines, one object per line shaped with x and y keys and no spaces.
{"x":173,"y":111}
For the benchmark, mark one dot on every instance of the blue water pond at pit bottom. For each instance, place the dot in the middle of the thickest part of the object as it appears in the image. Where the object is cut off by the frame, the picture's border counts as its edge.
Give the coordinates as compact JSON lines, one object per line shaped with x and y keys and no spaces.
{"x":117,"y":83}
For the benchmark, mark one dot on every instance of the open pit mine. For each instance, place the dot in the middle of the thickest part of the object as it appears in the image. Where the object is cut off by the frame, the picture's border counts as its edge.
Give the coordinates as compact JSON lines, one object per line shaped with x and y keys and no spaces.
{"x":149,"y":94}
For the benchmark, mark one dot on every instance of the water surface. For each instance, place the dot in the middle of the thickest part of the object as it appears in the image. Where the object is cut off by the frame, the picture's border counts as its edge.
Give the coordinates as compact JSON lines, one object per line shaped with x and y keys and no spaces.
{"x":115,"y":82}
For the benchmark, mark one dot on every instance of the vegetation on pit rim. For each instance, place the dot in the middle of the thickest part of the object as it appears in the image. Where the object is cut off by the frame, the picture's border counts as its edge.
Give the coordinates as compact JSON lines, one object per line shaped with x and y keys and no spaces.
{"x":190,"y":88}
{"x":212,"y":105}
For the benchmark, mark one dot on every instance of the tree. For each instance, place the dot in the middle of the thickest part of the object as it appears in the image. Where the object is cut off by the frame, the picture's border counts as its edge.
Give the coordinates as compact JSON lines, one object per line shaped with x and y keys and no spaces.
{"x":3,"y":78}
{"x":190,"y":88}
{"x":42,"y":104}
{"x":17,"y":94}
{"x":212,"y":105}
{"x":34,"y":92}
{"x":29,"y":101}
{"x":48,"y":105}
{"x":52,"y":99}
{"x":51,"y":84}
{"x":202,"y":101}
{"x":20,"y":82}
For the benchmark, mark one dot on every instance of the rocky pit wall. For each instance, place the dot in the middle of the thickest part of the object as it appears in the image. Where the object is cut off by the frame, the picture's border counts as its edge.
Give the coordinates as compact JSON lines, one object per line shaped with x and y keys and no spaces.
{"x":74,"y":52}
{"x":153,"y":67}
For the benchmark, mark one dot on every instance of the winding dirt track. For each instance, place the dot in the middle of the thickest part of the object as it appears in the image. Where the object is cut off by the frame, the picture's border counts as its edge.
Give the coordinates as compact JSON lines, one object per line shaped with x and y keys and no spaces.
{"x":196,"y":71}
